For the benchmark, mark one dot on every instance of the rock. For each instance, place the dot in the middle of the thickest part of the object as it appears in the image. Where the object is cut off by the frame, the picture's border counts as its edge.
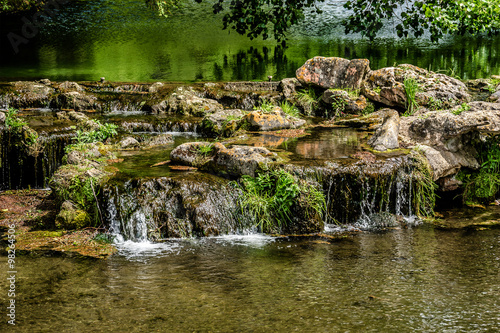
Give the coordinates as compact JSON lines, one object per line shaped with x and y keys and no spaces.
{"x":386,"y":86}
{"x":62,"y":115}
{"x":185,"y":101}
{"x":128,"y":142}
{"x":386,"y":136}
{"x":194,"y":154}
{"x":478,"y":84}
{"x":77,"y":116}
{"x":495,"y":97}
{"x":351,"y":104}
{"x":68,"y":86}
{"x":333,"y":72}
{"x":436,"y":128}
{"x":222,"y":123}
{"x":2,"y":117}
{"x":242,"y":95}
{"x":234,"y":161}
{"x":288,"y":88}
{"x":448,"y":184}
{"x":275,"y":120}
{"x":371,"y":120}
{"x":240,"y":160}
{"x":159,"y":108}
{"x":155,"y":87}
{"x":445,"y":163}
{"x":71,"y":218}
{"x":32,"y":94}
{"x":44,"y":81}
{"x":365,"y":156}
{"x":77,"y":101}
{"x":159,"y":140}
{"x":75,"y":157}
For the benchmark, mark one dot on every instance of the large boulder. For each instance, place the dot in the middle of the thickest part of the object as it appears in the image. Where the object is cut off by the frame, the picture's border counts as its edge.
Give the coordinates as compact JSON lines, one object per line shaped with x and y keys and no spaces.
{"x":444,"y":163}
{"x":77,"y":101}
{"x":386,"y":86}
{"x":275,"y":120}
{"x":234,"y":161}
{"x":31,"y":94}
{"x":185,"y":101}
{"x":333,"y":72}
{"x":386,"y":136}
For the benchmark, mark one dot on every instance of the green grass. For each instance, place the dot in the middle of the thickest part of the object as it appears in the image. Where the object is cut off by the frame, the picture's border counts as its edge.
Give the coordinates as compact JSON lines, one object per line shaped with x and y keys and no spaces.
{"x":308,"y":98}
{"x":270,"y":196}
{"x":290,"y":109}
{"x":462,"y":108}
{"x":13,"y":122}
{"x":411,"y":89}
{"x":265,"y":106}
{"x":83,"y":137}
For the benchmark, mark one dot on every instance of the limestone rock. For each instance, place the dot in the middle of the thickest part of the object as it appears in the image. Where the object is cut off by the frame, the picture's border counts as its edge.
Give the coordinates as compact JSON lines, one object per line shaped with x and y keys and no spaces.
{"x":128,"y":142}
{"x":158,"y":140}
{"x":240,"y":160}
{"x":222,"y":123}
{"x":194,"y":154}
{"x":333,"y":72}
{"x":495,"y":97}
{"x":275,"y":120}
{"x":2,"y":117}
{"x":445,"y":163}
{"x":288,"y":88}
{"x":185,"y":101}
{"x":77,"y":101}
{"x":352,"y":105}
{"x":386,"y":136}
{"x":386,"y":86}
{"x":32,"y":93}
{"x":68,"y":86}
{"x":155,"y":87}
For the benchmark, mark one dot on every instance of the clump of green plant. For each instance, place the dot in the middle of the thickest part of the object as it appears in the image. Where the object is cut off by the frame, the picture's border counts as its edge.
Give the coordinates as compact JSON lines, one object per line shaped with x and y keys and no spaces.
{"x":205,"y":150}
{"x":308,"y":99}
{"x":290,"y":109}
{"x":13,"y":122}
{"x":481,"y":186}
{"x":265,"y":106}
{"x":338,"y":105}
{"x":423,"y":186}
{"x":435,"y":104}
{"x":411,"y":89}
{"x":462,"y":108}
{"x":100,"y":134}
{"x":370,"y":108}
{"x":271,"y":195}
{"x":493,"y":84}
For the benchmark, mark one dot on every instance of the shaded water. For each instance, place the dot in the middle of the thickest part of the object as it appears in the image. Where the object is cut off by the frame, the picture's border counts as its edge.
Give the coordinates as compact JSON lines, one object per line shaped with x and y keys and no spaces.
{"x":124,"y":41}
{"x":408,"y":280}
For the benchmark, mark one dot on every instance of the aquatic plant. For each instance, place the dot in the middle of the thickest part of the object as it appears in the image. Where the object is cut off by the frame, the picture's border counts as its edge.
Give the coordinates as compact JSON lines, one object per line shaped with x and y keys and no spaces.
{"x":271,"y":196}
{"x":411,"y":89}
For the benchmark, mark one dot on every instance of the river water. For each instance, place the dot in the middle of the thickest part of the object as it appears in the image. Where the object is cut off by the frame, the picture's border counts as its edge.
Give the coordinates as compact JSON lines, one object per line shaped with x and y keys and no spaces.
{"x":404,"y":280}
{"x":122,"y":40}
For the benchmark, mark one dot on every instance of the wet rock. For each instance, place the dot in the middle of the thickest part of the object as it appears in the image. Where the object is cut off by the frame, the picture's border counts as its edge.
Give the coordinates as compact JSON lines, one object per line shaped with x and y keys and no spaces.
{"x":70,"y":217}
{"x":222,"y":123}
{"x":159,"y":108}
{"x":333,"y":72}
{"x":351,"y":104}
{"x":129,"y":142}
{"x":275,"y":120}
{"x":365,"y":156}
{"x":448,"y":184}
{"x":155,"y":87}
{"x":194,"y":154}
{"x":77,"y":101}
{"x":185,"y":101}
{"x":386,"y":86}
{"x":31,"y":94}
{"x":158,"y":140}
{"x":234,"y":161}
{"x":77,"y":116}
{"x":386,"y":136}
{"x":68,"y":86}
{"x":240,"y":160}
{"x":242,"y":95}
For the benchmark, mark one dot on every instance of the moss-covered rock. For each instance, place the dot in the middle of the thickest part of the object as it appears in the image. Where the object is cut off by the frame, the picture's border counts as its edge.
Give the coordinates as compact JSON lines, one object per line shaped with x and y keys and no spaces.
{"x":71,"y":218}
{"x":222,"y":124}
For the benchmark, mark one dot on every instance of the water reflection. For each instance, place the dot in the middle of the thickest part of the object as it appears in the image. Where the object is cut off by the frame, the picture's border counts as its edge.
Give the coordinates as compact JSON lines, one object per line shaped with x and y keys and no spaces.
{"x":124,"y":41}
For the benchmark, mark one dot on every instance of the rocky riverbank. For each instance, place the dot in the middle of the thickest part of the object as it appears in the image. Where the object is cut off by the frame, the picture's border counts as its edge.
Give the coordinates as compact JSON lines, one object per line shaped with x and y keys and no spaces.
{"x":152,"y":161}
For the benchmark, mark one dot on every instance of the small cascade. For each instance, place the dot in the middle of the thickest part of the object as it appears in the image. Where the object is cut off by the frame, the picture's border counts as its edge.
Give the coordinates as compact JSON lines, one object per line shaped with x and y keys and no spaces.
{"x":19,"y":169}
{"x":157,"y":208}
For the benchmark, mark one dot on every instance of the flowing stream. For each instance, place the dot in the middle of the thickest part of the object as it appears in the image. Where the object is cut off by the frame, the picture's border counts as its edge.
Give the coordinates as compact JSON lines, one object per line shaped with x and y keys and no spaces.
{"x":405,"y":280}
